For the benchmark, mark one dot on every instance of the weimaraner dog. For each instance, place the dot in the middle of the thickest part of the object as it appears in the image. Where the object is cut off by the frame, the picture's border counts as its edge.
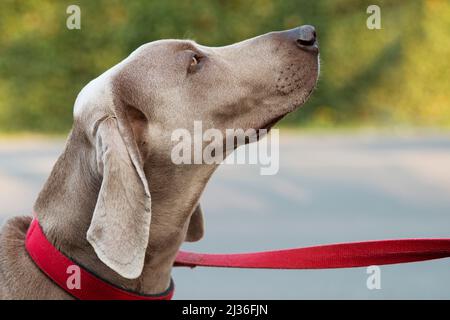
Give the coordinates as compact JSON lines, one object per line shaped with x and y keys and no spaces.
{"x":114,"y":201}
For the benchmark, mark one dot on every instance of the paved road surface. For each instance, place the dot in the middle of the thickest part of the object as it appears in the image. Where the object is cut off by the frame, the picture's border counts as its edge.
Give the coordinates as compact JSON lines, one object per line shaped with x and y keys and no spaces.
{"x":330,"y":188}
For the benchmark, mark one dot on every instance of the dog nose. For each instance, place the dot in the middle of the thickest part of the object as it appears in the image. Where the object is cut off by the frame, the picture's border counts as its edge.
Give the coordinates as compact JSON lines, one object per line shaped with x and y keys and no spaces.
{"x":306,"y":36}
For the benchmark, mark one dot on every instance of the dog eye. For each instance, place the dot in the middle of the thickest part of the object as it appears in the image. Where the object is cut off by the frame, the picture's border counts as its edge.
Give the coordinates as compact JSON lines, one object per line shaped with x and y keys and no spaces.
{"x":195,"y":63}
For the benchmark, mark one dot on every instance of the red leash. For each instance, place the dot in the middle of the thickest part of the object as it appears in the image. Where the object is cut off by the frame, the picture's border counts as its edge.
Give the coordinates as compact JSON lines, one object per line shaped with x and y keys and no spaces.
{"x":345,"y":255}
{"x":359,"y":254}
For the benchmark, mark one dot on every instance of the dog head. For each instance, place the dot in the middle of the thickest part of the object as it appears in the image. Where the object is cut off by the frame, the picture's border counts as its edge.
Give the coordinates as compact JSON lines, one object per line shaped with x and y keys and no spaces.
{"x":128,"y":114}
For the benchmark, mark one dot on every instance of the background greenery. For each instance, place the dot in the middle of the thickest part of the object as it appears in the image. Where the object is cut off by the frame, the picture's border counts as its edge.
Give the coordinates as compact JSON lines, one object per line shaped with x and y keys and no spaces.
{"x":399,"y":75}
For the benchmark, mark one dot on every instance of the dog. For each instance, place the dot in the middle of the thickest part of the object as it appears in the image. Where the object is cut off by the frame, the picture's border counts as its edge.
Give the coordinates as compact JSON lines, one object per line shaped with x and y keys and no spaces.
{"x":114,"y":201}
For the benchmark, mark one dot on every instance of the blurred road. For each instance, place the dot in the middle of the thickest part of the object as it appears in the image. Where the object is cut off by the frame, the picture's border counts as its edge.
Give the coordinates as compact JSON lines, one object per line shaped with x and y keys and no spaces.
{"x":330,"y":188}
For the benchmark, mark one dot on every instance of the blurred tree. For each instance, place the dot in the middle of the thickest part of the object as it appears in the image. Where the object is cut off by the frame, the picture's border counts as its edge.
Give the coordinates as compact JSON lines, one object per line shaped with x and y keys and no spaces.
{"x":396,"y":75}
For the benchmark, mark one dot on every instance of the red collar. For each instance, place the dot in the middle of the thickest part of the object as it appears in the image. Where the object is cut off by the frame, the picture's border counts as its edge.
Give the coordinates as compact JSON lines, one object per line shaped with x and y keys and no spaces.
{"x":60,"y":268}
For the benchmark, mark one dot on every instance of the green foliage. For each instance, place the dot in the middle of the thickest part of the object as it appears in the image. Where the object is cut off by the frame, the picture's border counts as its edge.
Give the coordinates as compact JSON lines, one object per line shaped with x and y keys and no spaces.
{"x":396,"y":75}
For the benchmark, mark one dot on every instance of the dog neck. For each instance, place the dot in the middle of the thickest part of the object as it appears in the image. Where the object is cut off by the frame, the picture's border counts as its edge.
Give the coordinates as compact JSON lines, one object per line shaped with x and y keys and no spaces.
{"x":66,"y":204}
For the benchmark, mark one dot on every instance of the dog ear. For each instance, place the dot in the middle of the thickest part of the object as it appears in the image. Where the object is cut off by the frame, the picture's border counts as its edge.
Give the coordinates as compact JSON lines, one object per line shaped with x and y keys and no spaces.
{"x":120,"y":226}
{"x":196,"y":228}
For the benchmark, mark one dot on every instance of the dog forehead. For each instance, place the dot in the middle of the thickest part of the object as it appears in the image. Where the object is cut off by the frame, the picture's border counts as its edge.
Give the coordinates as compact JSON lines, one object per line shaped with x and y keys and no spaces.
{"x":162,"y":49}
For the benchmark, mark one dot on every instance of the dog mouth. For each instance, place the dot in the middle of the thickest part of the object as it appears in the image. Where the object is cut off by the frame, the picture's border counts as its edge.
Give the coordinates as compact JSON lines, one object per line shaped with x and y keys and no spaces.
{"x":268,"y":125}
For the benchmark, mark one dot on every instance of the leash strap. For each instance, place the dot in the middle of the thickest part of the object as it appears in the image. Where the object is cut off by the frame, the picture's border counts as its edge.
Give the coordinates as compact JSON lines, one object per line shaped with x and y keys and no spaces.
{"x":344,"y":255}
